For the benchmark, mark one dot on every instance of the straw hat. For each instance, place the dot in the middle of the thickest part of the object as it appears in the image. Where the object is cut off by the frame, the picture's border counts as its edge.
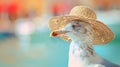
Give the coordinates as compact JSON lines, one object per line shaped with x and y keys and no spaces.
{"x":101,"y":34}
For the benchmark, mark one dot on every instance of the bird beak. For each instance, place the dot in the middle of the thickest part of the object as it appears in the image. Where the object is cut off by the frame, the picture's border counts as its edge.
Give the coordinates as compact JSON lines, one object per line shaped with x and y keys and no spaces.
{"x":57,"y":33}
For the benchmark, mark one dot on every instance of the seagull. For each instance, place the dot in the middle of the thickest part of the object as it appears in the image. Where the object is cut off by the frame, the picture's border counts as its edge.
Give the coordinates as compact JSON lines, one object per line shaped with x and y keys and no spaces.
{"x":81,"y":52}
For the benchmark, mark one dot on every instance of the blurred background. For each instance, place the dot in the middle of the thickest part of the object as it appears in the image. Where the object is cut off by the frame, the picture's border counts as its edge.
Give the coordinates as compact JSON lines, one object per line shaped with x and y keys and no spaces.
{"x":24,"y":31}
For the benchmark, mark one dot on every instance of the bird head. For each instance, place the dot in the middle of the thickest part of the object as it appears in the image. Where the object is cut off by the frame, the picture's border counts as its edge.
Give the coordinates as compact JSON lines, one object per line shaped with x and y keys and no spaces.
{"x":76,"y":30}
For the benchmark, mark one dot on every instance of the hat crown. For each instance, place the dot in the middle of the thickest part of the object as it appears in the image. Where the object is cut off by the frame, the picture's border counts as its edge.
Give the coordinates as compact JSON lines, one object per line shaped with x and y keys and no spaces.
{"x":83,"y":11}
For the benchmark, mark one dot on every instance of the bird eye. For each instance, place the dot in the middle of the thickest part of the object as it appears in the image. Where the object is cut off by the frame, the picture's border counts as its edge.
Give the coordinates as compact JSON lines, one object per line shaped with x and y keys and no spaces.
{"x":76,"y":25}
{"x":73,"y":26}
{"x":77,"y":22}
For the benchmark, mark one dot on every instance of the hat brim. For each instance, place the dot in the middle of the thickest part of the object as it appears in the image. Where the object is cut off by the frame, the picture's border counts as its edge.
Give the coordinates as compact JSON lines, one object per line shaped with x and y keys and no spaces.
{"x":101,"y":33}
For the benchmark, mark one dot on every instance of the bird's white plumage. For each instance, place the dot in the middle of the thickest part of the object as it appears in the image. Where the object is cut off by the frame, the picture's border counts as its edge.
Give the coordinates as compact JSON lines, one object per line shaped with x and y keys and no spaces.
{"x":81,"y":52}
{"x":79,"y":57}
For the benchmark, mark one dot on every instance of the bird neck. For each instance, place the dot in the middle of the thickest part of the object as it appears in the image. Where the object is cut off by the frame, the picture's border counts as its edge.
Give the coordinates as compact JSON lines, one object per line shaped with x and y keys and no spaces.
{"x":85,"y":49}
{"x":82,"y":54}
{"x":80,"y":43}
